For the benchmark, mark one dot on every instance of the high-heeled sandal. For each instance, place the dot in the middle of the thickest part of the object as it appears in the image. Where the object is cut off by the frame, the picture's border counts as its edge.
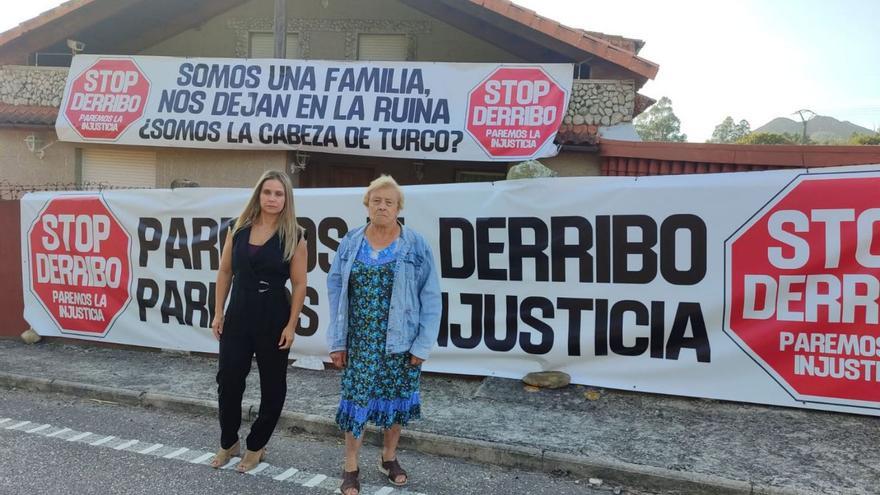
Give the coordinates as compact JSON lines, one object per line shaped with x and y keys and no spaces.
{"x":223,"y":455}
{"x":250,"y":460}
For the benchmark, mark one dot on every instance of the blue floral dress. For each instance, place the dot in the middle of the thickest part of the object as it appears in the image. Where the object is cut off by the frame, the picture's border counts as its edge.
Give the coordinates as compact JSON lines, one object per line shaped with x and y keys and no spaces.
{"x":378,"y":387}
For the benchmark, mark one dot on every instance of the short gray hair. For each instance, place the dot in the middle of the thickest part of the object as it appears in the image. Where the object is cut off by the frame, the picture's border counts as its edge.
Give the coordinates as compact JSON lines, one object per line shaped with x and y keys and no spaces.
{"x":380,"y":182}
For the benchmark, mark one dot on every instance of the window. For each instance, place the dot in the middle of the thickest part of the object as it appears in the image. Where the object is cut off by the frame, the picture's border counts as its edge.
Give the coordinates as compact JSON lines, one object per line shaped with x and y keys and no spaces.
{"x":119,"y":167}
{"x":262,"y":45}
{"x":391,"y":47}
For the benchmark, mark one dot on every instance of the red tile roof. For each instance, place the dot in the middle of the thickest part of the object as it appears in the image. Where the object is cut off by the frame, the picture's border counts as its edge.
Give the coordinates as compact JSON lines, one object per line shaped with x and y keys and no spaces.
{"x":642,"y":103}
{"x":27,"y":115}
{"x":575,"y":37}
{"x":628,"y":44}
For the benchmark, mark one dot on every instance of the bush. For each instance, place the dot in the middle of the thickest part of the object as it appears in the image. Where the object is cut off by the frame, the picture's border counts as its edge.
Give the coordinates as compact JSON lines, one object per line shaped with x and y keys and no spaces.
{"x":865,"y":139}
{"x":531,"y":169}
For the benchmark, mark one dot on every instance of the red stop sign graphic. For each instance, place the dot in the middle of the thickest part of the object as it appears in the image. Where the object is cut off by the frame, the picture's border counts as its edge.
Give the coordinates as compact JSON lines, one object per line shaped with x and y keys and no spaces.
{"x":106,"y":98}
{"x":514,"y":111}
{"x":79,"y":264}
{"x":802,"y":289}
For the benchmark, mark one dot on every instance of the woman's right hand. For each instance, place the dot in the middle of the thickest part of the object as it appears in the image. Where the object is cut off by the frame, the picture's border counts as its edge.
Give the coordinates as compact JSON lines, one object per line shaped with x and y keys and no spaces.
{"x":339,"y":358}
{"x":217,"y":326}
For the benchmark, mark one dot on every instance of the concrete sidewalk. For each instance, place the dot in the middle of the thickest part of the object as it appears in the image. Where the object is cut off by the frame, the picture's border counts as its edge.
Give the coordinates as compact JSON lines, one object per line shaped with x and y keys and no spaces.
{"x":652,"y":441}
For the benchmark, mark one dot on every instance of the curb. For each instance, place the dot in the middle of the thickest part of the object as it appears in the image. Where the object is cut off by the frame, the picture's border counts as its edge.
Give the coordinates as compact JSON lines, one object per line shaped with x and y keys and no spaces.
{"x":484,"y":452}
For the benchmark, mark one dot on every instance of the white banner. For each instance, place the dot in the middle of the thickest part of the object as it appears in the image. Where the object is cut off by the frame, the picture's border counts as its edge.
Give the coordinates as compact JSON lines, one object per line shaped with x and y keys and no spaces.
{"x":759,"y":287}
{"x":435,"y":111}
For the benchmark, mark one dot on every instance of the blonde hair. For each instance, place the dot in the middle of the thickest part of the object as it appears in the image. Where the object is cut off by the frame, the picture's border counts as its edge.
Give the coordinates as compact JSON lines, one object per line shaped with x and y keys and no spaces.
{"x":288,"y":229}
{"x":384,"y":181}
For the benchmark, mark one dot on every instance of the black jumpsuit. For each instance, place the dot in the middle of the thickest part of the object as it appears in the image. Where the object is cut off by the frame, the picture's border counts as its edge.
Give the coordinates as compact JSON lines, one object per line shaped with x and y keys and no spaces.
{"x":258,"y":310}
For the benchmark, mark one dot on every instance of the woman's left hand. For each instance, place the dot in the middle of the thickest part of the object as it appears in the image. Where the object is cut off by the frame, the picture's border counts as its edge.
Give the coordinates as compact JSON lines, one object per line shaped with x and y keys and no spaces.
{"x":415,"y":361}
{"x":286,"y":339}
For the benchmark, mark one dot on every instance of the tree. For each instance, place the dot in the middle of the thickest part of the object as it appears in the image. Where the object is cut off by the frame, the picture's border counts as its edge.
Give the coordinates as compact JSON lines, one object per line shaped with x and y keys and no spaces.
{"x":659,"y":123}
{"x":806,"y":115}
{"x":768,"y":138}
{"x":729,"y":132}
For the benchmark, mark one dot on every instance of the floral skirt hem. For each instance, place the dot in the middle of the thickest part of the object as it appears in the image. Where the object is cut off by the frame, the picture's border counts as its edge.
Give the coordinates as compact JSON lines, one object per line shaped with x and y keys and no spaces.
{"x":384,"y":413}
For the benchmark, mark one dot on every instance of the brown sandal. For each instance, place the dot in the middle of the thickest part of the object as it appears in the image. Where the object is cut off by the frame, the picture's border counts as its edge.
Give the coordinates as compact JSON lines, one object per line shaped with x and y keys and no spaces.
{"x":392,"y":469}
{"x":350,"y":480}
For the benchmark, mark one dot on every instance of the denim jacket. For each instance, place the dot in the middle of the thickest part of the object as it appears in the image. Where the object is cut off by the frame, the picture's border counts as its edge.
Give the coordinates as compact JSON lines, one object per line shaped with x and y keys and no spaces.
{"x":414,"y":313}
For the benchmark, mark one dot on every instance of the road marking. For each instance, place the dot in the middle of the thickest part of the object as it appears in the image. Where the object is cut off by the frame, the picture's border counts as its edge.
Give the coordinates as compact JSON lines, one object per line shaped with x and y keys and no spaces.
{"x":315,"y":481}
{"x":151,"y":449}
{"x":202,"y":458}
{"x":38,"y":429}
{"x":260,"y":467}
{"x":125,"y":445}
{"x":62,"y":430}
{"x":286,"y":474}
{"x":303,"y":478}
{"x":101,"y":441}
{"x":79,"y":436}
{"x":176,"y":453}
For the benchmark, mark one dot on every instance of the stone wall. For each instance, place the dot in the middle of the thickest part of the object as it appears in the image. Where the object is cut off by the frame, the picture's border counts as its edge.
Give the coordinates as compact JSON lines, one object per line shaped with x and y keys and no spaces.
{"x":600,"y":102}
{"x":37,"y":86}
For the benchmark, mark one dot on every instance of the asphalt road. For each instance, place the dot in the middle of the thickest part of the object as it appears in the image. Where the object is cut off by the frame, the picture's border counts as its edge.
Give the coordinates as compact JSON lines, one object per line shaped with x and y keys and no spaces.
{"x":54,"y":443}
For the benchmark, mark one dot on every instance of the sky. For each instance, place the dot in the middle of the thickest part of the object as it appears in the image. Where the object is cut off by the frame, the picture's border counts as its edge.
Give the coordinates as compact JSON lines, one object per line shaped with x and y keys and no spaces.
{"x":749,"y":59}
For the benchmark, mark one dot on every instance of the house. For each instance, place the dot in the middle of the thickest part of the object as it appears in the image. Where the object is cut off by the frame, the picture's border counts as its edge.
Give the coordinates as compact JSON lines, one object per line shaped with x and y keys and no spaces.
{"x":34,"y":60}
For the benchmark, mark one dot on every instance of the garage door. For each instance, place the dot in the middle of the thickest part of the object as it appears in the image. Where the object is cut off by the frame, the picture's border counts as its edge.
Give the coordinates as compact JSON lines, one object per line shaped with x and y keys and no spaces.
{"x":119,"y":167}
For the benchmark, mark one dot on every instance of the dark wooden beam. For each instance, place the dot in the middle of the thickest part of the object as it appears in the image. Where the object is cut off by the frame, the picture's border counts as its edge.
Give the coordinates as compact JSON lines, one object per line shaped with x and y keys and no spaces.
{"x":486,"y":31}
{"x":280,"y":29}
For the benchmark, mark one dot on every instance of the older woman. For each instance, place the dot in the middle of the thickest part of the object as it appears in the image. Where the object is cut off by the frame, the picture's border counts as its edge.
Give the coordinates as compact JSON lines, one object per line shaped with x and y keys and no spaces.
{"x":264,"y":250}
{"x":384,"y":317}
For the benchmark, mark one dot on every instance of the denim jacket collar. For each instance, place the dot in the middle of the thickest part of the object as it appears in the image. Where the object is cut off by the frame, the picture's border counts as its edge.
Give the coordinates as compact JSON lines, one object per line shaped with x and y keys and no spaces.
{"x":404,"y":242}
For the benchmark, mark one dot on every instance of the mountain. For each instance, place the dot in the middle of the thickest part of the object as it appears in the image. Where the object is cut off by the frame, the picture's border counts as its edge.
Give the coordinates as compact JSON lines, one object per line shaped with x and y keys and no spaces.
{"x":819,"y":128}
